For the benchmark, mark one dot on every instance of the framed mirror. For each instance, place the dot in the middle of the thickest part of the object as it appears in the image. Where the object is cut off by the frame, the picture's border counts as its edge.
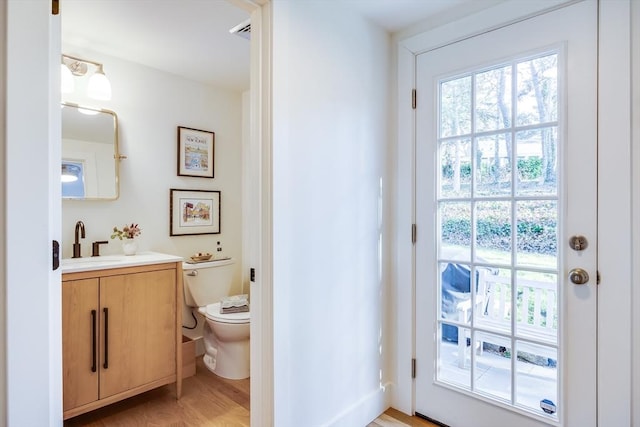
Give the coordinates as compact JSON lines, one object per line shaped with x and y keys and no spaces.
{"x":90,"y":157}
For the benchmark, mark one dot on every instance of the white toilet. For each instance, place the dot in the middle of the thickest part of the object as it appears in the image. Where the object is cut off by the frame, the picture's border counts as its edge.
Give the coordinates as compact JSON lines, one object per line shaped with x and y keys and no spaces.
{"x":226,"y":336}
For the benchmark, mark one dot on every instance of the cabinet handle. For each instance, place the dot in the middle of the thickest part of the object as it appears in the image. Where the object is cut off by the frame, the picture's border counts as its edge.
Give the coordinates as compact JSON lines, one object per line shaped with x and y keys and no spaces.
{"x":94,"y":355}
{"x":106,"y":338}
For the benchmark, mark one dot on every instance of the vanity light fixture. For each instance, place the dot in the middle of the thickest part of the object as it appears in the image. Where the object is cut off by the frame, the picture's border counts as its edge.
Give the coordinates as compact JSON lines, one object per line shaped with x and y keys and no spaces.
{"x":98,"y":87}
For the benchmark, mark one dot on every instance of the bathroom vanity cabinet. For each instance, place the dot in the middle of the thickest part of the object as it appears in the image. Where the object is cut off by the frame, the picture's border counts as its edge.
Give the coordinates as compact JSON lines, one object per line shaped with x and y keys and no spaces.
{"x":121,"y":332}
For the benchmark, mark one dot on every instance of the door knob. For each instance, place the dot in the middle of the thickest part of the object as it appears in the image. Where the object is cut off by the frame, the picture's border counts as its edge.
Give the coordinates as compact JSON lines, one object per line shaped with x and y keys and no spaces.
{"x":578,"y":276}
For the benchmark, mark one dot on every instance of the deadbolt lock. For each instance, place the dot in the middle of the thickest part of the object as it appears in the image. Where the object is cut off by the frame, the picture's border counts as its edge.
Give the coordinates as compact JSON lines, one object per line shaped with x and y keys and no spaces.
{"x":578,"y":243}
{"x":578,"y":276}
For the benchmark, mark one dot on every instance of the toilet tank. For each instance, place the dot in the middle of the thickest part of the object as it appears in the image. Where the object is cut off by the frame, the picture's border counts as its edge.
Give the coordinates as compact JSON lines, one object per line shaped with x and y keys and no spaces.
{"x":207,"y":282}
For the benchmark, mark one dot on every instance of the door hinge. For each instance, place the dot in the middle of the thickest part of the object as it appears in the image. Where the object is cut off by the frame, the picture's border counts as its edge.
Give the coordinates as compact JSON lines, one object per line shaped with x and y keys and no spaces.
{"x":414,"y":233}
{"x":55,"y":7}
{"x":414,"y":96}
{"x":597,"y":277}
{"x":252,"y":274}
{"x":413,"y":368}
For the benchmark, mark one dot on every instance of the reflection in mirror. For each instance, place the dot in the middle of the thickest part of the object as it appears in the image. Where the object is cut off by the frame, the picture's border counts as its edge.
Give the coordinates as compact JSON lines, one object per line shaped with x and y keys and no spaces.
{"x":90,"y":157}
{"x":72,"y":179}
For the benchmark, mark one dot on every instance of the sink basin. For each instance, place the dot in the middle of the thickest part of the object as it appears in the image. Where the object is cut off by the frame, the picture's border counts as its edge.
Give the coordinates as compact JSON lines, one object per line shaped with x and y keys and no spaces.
{"x":74,"y":265}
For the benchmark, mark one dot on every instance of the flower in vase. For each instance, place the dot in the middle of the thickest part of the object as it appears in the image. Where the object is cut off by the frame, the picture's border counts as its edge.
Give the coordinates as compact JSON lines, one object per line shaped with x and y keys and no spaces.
{"x":127,"y":232}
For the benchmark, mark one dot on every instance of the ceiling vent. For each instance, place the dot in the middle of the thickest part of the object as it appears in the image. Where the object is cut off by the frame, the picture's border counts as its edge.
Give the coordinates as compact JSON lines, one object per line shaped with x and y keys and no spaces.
{"x":243,"y":29}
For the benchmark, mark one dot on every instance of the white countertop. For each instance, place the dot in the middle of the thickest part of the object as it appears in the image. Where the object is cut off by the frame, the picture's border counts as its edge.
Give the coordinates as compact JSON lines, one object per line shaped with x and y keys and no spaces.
{"x":74,"y":265}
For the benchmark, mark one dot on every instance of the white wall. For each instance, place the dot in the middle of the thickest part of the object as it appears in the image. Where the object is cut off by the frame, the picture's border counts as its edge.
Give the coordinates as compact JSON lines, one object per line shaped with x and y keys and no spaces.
{"x":150,"y":105}
{"x":330,"y":139}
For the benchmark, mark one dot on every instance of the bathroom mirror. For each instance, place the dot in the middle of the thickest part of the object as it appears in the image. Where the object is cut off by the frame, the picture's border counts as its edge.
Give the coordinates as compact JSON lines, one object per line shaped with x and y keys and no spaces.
{"x":90,"y":157}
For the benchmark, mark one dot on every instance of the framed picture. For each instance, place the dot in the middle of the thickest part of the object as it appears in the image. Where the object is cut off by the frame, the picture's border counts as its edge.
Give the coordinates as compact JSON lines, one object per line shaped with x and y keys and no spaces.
{"x":194,"y":212}
{"x":195,"y":152}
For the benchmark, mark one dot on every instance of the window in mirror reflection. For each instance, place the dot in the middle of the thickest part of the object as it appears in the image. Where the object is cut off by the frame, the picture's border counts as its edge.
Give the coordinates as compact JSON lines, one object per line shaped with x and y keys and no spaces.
{"x":90,"y":137}
{"x":72,"y":179}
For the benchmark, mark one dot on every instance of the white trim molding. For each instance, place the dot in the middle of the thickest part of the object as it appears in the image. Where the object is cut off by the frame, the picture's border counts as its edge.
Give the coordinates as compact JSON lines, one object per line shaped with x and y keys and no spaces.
{"x":33,"y":364}
{"x":614,"y":213}
{"x":3,"y":220}
{"x":259,"y":176}
{"x":635,"y":199}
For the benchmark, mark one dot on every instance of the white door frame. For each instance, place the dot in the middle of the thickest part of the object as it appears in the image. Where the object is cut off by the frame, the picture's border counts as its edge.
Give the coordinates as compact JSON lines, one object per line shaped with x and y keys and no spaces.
{"x":614,"y":215}
{"x":614,"y":311}
{"x":3,"y":204}
{"x":258,"y":183}
{"x":30,"y":119}
{"x":635,"y":187}
{"x":31,"y":310}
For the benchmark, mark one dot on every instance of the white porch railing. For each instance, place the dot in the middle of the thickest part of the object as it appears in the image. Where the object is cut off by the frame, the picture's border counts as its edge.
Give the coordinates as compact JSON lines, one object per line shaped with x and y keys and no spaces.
{"x":536,"y":313}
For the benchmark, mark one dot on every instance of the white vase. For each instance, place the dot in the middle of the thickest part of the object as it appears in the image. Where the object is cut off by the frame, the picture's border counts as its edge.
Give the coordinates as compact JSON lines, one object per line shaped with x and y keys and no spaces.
{"x":129,"y":246}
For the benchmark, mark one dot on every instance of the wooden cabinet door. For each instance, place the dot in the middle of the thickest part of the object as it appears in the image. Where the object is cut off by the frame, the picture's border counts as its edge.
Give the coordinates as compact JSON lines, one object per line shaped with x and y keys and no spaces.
{"x":139,"y":332}
{"x":79,"y":354}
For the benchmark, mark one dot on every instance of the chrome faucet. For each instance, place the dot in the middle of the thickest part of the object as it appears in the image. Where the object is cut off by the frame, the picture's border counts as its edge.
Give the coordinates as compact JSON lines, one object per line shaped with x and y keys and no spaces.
{"x":76,"y":245}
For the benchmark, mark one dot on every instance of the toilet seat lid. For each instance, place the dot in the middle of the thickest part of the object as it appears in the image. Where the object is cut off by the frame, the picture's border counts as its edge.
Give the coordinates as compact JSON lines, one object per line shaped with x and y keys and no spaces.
{"x":212,"y":311}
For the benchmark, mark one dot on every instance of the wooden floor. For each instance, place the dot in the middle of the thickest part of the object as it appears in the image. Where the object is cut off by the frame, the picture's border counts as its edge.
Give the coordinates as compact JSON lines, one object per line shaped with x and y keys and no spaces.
{"x":395,"y":418}
{"x":207,"y":400}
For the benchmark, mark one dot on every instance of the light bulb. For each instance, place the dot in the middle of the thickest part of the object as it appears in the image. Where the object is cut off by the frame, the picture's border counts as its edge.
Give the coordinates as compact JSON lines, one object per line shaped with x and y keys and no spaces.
{"x":99,"y":86}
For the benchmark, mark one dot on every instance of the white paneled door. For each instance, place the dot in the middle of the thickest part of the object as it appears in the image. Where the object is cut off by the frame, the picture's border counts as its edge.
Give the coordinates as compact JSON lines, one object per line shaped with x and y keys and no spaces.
{"x":506,"y":208}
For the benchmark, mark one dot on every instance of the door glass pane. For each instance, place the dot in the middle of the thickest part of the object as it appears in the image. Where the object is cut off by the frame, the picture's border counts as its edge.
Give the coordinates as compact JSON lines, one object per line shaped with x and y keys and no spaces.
{"x":493,"y":165}
{"x":455,"y":166}
{"x":493,"y":232}
{"x":537,"y":233}
{"x":455,"y":295}
{"x":537,"y":306}
{"x":455,"y":107}
{"x":537,"y":153}
{"x":452,"y":356}
{"x":493,"y":99}
{"x":537,"y":90}
{"x":455,"y":231}
{"x":493,"y":365}
{"x":537,"y":377}
{"x":493,"y":308}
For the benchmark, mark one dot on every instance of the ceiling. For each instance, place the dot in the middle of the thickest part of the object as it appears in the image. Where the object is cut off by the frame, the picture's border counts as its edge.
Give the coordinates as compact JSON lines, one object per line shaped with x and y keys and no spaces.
{"x":396,"y":15}
{"x":191,"y":38}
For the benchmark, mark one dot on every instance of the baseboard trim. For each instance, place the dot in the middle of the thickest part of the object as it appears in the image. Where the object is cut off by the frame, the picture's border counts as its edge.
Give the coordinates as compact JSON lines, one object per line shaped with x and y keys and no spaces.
{"x":431,"y":420}
{"x":365,"y":410}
